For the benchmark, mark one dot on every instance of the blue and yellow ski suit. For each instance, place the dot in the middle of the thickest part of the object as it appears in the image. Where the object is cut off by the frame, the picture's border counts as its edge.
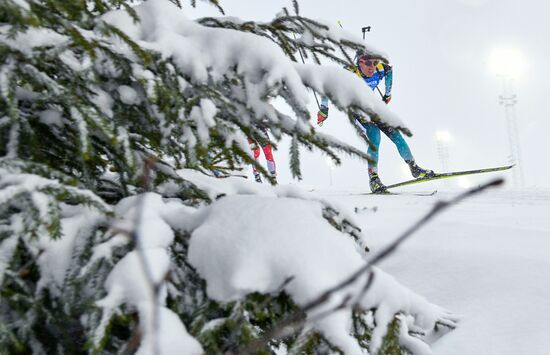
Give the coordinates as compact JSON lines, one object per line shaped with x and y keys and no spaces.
{"x":372,"y":130}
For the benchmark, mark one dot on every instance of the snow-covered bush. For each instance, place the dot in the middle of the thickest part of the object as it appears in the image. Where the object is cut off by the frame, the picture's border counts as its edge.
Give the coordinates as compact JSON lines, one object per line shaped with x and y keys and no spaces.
{"x":112,"y":236}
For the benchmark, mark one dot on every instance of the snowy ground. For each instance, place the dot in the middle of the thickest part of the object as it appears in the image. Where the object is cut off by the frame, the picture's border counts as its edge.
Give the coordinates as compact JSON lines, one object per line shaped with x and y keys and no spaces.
{"x":487,"y":259}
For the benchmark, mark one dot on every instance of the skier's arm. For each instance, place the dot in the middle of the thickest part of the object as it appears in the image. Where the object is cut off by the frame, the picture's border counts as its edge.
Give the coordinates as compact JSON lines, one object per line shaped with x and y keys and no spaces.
{"x":388,"y":81}
{"x":322,"y":115}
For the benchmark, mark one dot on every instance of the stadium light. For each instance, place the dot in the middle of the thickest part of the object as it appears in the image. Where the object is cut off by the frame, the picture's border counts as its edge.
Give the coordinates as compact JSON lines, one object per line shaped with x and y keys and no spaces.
{"x":443,"y":136}
{"x":507,"y":62}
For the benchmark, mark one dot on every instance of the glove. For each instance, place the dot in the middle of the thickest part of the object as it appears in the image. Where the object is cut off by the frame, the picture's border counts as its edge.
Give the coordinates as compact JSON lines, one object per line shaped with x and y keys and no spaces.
{"x":386,"y":99}
{"x":322,"y":115}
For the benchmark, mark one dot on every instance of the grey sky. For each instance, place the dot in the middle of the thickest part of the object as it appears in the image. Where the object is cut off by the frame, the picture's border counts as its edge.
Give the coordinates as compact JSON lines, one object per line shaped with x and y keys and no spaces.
{"x":442,"y":80}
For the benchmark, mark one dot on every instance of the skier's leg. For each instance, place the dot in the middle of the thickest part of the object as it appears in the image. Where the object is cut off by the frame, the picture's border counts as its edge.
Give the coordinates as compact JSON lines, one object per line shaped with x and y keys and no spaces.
{"x":268,"y":152}
{"x":399,"y":141}
{"x":256,"y":150}
{"x":405,"y":152}
{"x":373,"y":134}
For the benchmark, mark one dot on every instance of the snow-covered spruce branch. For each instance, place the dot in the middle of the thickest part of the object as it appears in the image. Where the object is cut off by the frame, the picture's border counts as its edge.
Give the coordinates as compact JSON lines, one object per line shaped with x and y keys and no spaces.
{"x":319,"y":39}
{"x":118,"y":50}
{"x":140,"y":278}
{"x":297,"y":320}
{"x":250,"y":252}
{"x":87,"y":95}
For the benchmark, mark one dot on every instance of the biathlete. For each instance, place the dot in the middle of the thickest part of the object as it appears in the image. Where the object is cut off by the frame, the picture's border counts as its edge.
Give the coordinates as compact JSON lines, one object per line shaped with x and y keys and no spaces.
{"x":372,"y":71}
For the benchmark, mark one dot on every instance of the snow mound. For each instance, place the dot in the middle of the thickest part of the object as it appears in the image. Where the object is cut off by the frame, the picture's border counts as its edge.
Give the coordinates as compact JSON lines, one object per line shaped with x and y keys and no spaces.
{"x":251,"y":244}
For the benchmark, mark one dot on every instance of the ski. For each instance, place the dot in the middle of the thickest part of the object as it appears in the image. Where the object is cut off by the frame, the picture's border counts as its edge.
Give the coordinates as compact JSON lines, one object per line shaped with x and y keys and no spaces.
{"x":229,"y":175}
{"x":430,"y":193}
{"x":448,"y":175}
{"x":389,"y":193}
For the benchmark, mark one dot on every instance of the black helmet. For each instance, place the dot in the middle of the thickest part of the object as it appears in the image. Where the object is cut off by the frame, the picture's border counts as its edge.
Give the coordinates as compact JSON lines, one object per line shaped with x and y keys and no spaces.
{"x":361,"y":54}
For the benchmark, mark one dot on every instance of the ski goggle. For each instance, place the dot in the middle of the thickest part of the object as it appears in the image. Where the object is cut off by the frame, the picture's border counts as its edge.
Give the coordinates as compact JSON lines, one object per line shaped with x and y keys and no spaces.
{"x":368,"y":62}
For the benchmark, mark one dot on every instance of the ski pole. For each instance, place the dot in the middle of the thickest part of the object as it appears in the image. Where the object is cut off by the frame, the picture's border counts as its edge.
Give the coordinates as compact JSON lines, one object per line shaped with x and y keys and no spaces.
{"x":303,"y":61}
{"x":364,"y":30}
{"x":380,"y":92}
{"x":377,"y":88}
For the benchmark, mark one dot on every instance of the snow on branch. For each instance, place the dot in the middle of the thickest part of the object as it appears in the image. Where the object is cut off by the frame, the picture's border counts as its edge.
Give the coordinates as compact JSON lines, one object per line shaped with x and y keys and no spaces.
{"x":240,"y":249}
{"x":379,"y":291}
{"x":205,"y":53}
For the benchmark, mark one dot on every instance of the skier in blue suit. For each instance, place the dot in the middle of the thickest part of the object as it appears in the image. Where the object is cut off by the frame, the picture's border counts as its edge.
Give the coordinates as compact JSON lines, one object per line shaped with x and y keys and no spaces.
{"x":372,"y":71}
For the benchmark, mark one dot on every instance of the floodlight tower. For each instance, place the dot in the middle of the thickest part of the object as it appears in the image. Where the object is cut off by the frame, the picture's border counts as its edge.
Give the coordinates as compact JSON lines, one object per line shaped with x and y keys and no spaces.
{"x":508,"y":99}
{"x":508,"y":63}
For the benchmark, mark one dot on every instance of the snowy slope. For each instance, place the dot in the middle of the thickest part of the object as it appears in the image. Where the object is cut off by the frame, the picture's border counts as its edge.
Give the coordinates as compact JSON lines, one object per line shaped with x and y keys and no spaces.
{"x":487,"y":259}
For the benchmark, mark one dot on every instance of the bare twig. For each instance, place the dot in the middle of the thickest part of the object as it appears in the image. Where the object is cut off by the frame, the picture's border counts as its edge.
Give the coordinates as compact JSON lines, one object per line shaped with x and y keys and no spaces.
{"x":438,"y":208}
{"x":133,"y":343}
{"x":295,"y":321}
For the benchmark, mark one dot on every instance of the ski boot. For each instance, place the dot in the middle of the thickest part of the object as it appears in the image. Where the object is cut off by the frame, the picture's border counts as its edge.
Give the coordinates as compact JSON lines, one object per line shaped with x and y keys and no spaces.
{"x":418,"y":172}
{"x":258,"y":177}
{"x":274,"y":176}
{"x":376,"y":186}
